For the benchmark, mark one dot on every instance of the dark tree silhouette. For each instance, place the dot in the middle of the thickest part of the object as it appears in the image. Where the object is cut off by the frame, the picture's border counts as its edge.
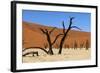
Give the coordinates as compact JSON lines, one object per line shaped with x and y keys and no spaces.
{"x":48,"y":33}
{"x":65,"y":33}
{"x":75,"y":45}
{"x":65,"y":46}
{"x":82,"y":45}
{"x":33,"y":53}
{"x":50,"y":44}
{"x":37,"y":48}
{"x":87,"y":45}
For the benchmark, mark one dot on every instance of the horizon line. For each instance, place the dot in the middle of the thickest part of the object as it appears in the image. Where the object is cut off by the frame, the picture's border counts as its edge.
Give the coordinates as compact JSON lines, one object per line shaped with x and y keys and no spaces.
{"x":52,"y":26}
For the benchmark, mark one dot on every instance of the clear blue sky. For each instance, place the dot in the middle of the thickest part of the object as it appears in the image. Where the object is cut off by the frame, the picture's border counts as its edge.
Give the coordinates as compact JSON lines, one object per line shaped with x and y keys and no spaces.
{"x":52,"y":18}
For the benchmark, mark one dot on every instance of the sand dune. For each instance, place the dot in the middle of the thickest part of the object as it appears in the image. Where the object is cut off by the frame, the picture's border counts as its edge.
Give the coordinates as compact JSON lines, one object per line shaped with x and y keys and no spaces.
{"x":32,"y":36}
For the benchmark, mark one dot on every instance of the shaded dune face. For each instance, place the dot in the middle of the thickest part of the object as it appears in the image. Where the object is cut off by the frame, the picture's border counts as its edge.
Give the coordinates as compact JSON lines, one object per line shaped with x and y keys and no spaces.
{"x":33,"y":37}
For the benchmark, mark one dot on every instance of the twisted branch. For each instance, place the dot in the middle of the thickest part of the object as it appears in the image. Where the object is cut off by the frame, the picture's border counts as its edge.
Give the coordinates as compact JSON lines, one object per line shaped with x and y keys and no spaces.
{"x":37,"y":48}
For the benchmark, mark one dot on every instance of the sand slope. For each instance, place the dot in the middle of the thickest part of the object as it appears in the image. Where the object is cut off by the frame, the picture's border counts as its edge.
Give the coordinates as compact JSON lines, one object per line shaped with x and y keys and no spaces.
{"x":32,"y":36}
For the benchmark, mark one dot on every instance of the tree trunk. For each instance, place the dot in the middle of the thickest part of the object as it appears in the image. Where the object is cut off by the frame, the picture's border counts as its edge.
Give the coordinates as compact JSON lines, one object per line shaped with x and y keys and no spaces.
{"x":61,"y":44}
{"x":50,"y":45}
{"x":62,"y":41}
{"x":50,"y":52}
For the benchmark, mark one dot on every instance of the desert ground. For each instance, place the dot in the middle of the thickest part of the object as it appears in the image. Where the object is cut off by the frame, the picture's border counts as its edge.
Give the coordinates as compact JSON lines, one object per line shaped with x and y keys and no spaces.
{"x":67,"y":55}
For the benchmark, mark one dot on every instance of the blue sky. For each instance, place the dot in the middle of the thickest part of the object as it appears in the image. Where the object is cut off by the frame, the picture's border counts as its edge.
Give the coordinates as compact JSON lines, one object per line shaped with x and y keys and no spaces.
{"x":54,"y":19}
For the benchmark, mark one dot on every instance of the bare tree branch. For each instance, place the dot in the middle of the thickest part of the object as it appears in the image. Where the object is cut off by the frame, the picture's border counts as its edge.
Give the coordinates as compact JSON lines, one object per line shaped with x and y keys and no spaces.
{"x":42,"y":30}
{"x":56,"y":38}
{"x":65,"y":35}
{"x":63,"y":27}
{"x":37,"y":48}
{"x":46,"y":30}
{"x":75,"y":27}
{"x":71,"y":21}
{"x":28,"y":53}
{"x":52,"y":30}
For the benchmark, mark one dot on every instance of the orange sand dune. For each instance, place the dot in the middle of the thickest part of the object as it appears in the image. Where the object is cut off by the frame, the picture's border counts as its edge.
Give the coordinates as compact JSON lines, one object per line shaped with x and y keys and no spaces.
{"x":33,"y":37}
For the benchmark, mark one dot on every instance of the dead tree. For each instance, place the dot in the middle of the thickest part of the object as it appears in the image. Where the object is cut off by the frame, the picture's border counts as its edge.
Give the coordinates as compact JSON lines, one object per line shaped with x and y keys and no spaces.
{"x":67,"y":46}
{"x":87,"y":45}
{"x":65,"y":33}
{"x":82,"y":45}
{"x":48,"y":33}
{"x":33,"y":53}
{"x":75,"y":45}
{"x":37,"y":48}
{"x":50,"y":43}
